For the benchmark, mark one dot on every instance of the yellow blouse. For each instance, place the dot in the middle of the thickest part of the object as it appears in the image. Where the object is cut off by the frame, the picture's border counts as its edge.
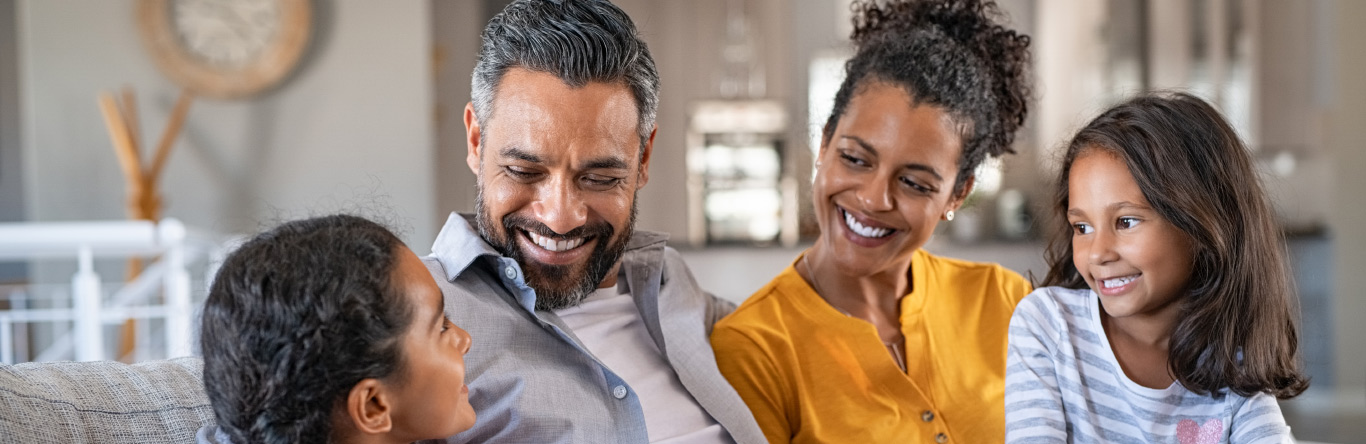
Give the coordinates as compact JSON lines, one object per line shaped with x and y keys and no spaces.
{"x":812,"y":374}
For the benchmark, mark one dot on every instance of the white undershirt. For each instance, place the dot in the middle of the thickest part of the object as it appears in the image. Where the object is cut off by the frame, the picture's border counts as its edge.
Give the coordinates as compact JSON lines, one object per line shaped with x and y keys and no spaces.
{"x":609,"y":325}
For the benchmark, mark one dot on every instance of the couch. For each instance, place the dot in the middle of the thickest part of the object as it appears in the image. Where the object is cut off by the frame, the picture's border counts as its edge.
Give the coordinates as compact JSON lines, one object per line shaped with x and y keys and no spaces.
{"x":103,"y":402}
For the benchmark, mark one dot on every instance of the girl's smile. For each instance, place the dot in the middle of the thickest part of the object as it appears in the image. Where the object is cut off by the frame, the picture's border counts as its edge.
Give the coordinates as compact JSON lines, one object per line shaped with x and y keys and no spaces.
{"x":1138,"y":262}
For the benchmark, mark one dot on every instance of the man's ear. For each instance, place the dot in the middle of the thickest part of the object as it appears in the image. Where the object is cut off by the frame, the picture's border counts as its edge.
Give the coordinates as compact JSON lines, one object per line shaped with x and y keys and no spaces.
{"x":645,"y":151}
{"x":472,"y":138}
{"x":370,"y":408}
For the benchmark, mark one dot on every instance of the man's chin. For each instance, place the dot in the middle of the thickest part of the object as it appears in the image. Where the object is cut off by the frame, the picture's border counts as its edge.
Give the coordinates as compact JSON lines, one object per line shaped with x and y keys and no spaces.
{"x":557,"y":286}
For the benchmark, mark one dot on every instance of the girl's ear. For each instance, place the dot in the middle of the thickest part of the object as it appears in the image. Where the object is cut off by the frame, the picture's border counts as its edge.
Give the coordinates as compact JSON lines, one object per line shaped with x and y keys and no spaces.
{"x":369,"y":408}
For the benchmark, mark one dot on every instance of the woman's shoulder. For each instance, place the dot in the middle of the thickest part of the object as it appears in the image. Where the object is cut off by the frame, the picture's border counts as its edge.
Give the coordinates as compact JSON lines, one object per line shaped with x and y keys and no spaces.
{"x":951,"y":265}
{"x":769,"y":305}
{"x":960,"y":272}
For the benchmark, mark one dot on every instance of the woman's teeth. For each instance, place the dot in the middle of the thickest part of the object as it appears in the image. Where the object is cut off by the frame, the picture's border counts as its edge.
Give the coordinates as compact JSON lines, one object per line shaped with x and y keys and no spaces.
{"x":555,"y":245}
{"x":863,"y":230}
{"x":1118,"y":282}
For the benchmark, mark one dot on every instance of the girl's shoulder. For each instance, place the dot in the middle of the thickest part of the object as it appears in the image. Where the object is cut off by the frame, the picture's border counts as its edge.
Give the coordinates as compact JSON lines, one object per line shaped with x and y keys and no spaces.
{"x":1058,"y":300}
{"x":1064,"y":314}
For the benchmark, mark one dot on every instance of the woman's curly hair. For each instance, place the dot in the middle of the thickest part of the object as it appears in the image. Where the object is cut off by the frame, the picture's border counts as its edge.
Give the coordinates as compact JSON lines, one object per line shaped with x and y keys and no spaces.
{"x":952,"y":54}
{"x":294,"y":319}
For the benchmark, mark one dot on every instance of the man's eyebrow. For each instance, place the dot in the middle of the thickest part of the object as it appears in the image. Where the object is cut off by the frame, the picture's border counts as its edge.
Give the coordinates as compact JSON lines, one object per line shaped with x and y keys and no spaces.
{"x":606,"y":163}
{"x":519,"y":154}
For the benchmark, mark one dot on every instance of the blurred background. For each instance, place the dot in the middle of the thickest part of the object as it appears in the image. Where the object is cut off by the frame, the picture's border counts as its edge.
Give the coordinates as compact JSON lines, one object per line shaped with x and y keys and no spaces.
{"x":305,"y":107}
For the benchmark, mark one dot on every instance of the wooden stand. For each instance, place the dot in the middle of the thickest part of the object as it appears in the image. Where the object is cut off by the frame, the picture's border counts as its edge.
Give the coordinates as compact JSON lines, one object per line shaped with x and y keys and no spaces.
{"x":121,"y":117}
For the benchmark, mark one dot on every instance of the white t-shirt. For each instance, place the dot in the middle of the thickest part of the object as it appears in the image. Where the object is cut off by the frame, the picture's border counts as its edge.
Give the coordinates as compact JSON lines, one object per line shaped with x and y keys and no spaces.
{"x":1063,"y":384}
{"x":609,"y":325}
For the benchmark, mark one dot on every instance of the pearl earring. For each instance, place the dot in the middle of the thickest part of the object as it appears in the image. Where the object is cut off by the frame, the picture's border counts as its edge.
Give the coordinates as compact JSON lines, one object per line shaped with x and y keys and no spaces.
{"x":948,"y":215}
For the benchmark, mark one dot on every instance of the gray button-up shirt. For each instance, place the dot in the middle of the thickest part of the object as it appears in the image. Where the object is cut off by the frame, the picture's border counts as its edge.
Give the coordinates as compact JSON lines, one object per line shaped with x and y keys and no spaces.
{"x":532,"y":381}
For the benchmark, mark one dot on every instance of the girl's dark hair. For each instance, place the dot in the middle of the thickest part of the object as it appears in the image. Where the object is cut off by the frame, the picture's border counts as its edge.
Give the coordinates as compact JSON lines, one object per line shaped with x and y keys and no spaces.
{"x":1239,"y":326}
{"x":947,"y":53}
{"x":294,"y":319}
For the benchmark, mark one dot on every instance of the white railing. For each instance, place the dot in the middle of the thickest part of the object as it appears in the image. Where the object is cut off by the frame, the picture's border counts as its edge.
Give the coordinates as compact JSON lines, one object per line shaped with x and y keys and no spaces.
{"x":166,"y":241}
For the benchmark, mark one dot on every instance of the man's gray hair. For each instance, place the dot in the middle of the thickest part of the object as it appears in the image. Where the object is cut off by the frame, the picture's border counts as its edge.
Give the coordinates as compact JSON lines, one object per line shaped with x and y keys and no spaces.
{"x":579,"y":41}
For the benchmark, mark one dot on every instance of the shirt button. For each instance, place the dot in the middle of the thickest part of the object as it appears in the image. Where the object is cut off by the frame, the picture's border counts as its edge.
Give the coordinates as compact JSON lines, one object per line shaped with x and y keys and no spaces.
{"x":927,"y":416}
{"x":510,"y":273}
{"x":619,"y":391}
{"x":941,"y":438}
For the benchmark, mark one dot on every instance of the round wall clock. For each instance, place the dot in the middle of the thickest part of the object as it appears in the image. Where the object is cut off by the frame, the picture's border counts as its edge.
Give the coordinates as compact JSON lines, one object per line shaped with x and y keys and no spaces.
{"x":226,"y":48}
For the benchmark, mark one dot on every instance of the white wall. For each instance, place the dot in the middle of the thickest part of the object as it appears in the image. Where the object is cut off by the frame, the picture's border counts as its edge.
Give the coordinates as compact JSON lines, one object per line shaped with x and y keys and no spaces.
{"x":351,"y":130}
{"x":1346,"y":140}
{"x":456,"y":26}
{"x":11,"y":161}
{"x":1069,"y":67}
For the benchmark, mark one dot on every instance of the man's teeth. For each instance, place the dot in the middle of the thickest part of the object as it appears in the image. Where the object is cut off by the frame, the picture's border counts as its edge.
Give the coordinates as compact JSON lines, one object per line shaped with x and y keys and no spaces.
{"x":555,"y":245}
{"x":1118,"y":282}
{"x":862,"y":230}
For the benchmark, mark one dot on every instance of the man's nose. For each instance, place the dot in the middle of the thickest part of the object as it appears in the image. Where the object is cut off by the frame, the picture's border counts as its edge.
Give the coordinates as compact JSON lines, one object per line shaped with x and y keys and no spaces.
{"x":560,"y":206}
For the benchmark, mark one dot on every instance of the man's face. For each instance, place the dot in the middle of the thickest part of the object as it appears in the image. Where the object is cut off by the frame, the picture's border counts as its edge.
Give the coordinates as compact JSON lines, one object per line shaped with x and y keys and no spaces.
{"x":558,"y":170}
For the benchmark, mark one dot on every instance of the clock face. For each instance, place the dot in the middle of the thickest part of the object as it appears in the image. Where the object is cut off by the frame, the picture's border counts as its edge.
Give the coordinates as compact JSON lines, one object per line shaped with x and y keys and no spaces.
{"x":227,"y":34}
{"x":225,"y":48}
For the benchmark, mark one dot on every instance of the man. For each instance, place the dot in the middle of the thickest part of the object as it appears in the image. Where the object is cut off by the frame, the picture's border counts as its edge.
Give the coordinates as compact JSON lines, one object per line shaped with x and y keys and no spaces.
{"x":588,"y":331}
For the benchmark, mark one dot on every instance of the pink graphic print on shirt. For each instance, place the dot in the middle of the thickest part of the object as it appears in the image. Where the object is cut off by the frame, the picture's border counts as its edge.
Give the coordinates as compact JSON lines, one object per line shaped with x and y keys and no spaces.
{"x":1188,"y":432}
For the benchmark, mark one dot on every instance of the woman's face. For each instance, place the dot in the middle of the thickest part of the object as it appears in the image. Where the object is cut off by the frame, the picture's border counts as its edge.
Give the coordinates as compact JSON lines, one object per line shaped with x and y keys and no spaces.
{"x":432,"y":399}
{"x":884,"y":180}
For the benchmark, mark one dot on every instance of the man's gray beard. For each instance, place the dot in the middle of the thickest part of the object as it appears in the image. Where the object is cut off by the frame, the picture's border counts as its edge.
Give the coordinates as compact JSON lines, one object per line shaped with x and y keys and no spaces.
{"x":555,"y":285}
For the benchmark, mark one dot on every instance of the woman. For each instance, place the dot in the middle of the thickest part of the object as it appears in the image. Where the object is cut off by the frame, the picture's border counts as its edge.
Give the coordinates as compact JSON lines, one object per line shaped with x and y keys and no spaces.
{"x":867,"y":338}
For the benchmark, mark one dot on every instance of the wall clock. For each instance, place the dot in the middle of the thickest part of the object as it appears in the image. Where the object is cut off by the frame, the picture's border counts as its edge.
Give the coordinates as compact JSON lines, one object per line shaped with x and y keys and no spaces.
{"x":226,"y":48}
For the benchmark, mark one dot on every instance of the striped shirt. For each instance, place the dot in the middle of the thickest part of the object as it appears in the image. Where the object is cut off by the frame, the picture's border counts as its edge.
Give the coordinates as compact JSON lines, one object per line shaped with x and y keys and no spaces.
{"x":1063,"y":384}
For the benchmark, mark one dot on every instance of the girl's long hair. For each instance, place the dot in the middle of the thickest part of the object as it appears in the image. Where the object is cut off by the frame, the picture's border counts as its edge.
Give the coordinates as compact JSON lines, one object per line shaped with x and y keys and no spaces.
{"x":1238,"y":327}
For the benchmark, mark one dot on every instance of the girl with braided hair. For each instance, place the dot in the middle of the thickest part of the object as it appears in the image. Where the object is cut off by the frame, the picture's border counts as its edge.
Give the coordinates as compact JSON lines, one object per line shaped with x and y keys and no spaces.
{"x":866,"y":337}
{"x":330,"y":330}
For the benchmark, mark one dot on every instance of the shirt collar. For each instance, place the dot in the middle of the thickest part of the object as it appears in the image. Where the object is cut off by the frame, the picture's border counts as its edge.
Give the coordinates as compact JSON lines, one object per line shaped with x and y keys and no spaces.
{"x":459,"y":244}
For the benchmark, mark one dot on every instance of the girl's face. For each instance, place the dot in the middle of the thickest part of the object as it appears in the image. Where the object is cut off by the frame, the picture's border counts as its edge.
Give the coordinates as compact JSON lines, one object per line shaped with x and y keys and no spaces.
{"x":432,"y":400}
{"x":1133,"y":258}
{"x":884,"y":179}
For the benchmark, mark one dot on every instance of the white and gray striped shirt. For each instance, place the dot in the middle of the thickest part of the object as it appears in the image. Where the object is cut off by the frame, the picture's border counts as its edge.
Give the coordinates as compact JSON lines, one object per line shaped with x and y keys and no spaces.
{"x":1063,"y":384}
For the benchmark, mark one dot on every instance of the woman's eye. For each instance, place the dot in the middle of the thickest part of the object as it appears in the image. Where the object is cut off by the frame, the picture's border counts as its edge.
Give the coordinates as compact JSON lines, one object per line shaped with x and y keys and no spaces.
{"x":445,"y":324}
{"x":1081,"y":228}
{"x":852,"y":160}
{"x":1126,"y":222}
{"x":917,"y":186}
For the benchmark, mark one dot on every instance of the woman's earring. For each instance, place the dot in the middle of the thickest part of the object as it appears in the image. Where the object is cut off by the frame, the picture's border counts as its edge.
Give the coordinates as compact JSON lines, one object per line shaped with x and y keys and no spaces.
{"x":948,"y":215}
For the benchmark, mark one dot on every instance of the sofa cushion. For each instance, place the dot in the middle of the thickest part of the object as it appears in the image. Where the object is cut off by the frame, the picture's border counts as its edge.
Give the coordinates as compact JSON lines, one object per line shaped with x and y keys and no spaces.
{"x":106,"y":402}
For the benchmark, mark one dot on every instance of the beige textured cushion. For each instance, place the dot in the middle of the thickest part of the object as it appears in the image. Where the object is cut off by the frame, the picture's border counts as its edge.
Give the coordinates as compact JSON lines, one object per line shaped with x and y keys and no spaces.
{"x":103,"y":402}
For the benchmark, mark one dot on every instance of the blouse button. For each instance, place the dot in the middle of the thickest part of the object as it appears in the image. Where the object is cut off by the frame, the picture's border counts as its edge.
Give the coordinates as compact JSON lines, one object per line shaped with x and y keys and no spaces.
{"x":927,"y":416}
{"x":619,"y":392}
{"x":941,"y":438}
